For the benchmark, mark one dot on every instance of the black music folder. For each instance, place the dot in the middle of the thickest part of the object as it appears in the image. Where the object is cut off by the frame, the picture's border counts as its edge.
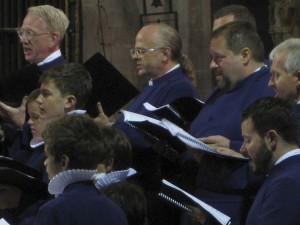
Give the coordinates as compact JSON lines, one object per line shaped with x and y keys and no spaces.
{"x":18,"y":84}
{"x":10,"y":166}
{"x":110,"y":87}
{"x":186,"y":201}
{"x":181,"y":111}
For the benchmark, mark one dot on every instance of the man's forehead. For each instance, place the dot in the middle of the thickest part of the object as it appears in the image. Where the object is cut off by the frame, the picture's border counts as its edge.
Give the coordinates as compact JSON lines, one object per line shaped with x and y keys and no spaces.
{"x":247,"y":125}
{"x":222,"y":21}
{"x":31,"y":20}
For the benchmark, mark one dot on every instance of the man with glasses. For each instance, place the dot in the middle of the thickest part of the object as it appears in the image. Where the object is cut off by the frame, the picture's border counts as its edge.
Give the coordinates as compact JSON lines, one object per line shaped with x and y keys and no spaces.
{"x":41,"y":34}
{"x":158,"y":57}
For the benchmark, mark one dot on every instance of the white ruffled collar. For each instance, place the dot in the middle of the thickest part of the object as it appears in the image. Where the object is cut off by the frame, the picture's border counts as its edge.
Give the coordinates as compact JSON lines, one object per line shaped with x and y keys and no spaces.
{"x":104,"y":179}
{"x":59,"y":182}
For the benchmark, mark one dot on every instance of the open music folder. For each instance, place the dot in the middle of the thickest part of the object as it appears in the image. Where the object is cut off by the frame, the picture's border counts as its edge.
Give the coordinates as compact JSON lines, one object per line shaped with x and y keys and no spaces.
{"x":170,"y":134}
{"x":184,"y":201}
{"x":181,"y":111}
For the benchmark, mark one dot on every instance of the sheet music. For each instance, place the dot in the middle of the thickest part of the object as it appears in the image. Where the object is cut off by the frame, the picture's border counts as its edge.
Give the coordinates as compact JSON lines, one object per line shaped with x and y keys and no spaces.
{"x":151,"y":108}
{"x":135,"y":117}
{"x":219,"y":216}
{"x":186,"y":137}
{"x":3,"y":222}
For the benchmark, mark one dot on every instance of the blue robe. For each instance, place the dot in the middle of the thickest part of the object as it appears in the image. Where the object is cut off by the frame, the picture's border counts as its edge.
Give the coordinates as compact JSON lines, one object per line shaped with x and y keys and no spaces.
{"x":228,"y":185}
{"x":163,"y":90}
{"x":80,"y":203}
{"x":158,"y":92}
{"x":278,"y":200}
{"x":151,"y":167}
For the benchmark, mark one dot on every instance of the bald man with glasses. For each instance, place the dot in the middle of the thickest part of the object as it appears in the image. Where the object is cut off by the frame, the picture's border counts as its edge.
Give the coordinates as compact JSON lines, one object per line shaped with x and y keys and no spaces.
{"x":158,"y":57}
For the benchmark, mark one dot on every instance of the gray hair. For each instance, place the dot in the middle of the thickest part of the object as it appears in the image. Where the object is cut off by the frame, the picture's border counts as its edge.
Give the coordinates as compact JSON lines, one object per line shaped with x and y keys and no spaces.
{"x":55,"y":18}
{"x":290,"y":50}
{"x":169,"y":37}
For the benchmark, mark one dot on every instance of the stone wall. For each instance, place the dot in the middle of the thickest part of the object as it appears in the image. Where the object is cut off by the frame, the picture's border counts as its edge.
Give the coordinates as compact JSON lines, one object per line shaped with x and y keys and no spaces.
{"x":284,"y":19}
{"x":110,"y":26}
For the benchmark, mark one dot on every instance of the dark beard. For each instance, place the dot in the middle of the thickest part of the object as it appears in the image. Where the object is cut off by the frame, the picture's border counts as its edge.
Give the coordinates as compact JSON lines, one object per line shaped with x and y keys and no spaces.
{"x":262,"y":159}
{"x":225,"y":85}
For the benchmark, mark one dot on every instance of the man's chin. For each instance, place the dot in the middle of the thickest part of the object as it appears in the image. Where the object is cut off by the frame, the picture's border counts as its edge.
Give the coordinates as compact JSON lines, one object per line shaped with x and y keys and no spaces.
{"x":259,"y":170}
{"x":29,"y":59}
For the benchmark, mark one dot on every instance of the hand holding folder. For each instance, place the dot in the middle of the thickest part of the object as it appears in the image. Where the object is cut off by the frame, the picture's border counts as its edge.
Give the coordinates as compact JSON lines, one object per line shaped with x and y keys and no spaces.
{"x":110,"y":87}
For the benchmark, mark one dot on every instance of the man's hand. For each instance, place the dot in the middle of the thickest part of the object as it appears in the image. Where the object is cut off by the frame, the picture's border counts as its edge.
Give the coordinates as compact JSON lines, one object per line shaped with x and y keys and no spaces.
{"x":221,"y":144}
{"x":216,"y":140}
{"x":197,"y":155}
{"x":229,"y":151}
{"x":197,"y":216}
{"x":102,"y":118}
{"x":15,"y":116}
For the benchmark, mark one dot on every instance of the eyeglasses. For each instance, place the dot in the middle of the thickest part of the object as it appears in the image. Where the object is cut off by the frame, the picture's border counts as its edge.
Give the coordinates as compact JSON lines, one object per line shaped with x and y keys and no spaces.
{"x":140,"y":52}
{"x":29,"y":34}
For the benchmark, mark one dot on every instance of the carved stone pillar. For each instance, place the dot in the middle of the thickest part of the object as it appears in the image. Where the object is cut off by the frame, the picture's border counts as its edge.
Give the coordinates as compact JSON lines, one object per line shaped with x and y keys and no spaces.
{"x":284,"y":19}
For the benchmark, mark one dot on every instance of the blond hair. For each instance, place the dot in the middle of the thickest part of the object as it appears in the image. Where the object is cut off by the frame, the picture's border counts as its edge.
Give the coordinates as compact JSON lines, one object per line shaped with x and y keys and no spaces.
{"x":55,"y":18}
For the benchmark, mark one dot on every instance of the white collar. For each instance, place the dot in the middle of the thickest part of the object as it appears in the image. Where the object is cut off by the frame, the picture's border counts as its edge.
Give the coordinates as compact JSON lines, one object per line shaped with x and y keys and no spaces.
{"x":51,"y":57}
{"x":59,"y":182}
{"x":36,"y":144}
{"x":77,"y":112}
{"x":173,"y":68}
{"x":150,"y":82}
{"x":102,"y":180}
{"x":288,"y":155}
{"x":259,"y":68}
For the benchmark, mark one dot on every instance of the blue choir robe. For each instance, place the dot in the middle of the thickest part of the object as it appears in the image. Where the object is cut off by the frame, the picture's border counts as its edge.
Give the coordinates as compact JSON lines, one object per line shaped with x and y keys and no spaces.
{"x":80,"y":203}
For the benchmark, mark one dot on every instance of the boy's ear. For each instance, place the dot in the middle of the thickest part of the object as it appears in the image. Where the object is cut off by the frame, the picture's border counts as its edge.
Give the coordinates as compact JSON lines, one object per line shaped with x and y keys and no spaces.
{"x":65,"y":161}
{"x":70,"y":103}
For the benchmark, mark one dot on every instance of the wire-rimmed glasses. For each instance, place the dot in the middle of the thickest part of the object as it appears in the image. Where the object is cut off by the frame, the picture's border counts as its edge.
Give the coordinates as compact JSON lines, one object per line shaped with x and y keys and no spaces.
{"x":140,"y":52}
{"x":29,"y":34}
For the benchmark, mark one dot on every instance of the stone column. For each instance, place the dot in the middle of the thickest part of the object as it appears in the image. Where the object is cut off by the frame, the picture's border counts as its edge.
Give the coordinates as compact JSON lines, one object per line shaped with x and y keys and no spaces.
{"x":194,"y":28}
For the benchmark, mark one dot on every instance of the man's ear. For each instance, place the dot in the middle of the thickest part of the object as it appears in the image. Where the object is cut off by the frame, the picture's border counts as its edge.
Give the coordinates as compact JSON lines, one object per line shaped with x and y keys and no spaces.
{"x":71,"y":102}
{"x":245,"y":55}
{"x":55,"y":39}
{"x":166,"y":54}
{"x":65,"y":161}
{"x":272,"y":138}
